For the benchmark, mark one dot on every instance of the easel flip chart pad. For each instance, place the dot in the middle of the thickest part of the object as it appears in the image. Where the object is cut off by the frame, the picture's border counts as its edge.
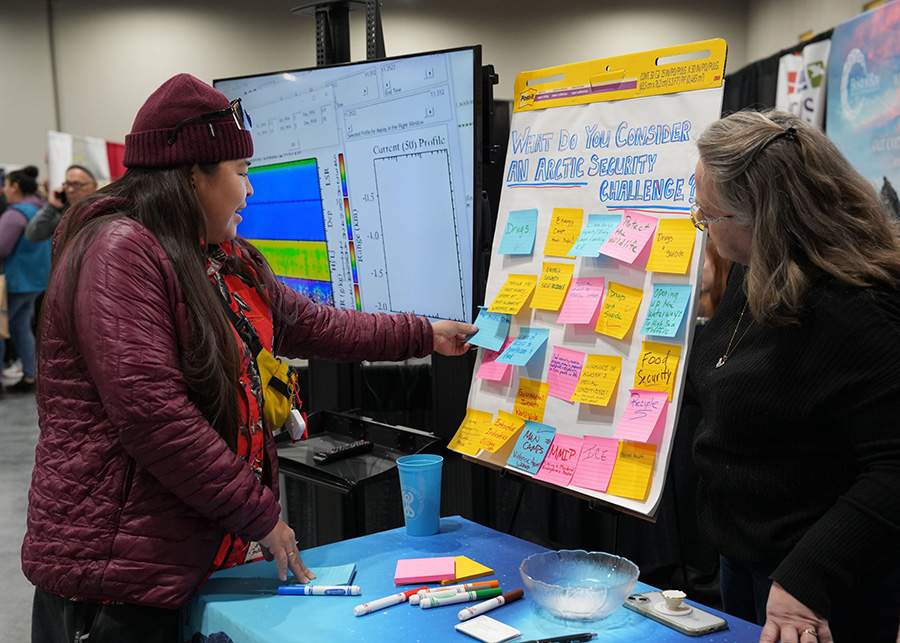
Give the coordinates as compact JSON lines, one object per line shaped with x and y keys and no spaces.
{"x":519,"y":233}
{"x":514,"y":294}
{"x":473,"y":427}
{"x":673,"y":246}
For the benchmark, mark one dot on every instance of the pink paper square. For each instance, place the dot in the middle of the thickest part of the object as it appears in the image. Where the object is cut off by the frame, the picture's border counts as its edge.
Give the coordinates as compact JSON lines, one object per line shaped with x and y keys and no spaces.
{"x":561,"y":459}
{"x":425,"y":570}
{"x":596,"y":463}
{"x":563,"y":372}
{"x":644,"y":417}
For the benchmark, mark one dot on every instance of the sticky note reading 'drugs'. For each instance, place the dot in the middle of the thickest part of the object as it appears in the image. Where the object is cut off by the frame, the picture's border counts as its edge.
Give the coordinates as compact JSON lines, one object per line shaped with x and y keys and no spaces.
{"x":425,"y":570}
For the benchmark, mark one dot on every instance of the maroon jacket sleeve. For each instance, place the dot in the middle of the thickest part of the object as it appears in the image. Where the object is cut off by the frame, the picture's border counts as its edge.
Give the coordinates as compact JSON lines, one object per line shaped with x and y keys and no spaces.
{"x":324,"y":332}
{"x":128,"y":302}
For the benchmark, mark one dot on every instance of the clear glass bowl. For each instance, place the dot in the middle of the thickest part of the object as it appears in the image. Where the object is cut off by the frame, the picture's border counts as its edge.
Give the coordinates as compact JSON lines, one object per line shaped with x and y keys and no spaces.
{"x":578,"y":585}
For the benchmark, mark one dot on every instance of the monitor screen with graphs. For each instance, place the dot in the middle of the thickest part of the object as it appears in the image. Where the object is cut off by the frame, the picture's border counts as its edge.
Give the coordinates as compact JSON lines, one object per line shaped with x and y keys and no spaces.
{"x":364,"y":179}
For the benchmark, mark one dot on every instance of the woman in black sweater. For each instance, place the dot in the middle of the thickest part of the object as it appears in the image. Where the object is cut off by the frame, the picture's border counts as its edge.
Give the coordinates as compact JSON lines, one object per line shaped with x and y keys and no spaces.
{"x":798,"y":377}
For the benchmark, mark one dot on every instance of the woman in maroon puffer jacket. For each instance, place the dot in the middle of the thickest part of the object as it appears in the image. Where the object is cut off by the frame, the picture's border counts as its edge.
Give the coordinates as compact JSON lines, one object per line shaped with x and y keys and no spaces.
{"x":154,"y":466}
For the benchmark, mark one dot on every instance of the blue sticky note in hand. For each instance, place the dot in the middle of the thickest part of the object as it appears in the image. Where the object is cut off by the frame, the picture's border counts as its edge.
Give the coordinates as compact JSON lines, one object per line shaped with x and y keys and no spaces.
{"x":492,"y":329}
{"x":595,"y":234}
{"x":531,"y":447}
{"x":666,"y":310}
{"x":519,"y":233}
{"x":524,"y":346}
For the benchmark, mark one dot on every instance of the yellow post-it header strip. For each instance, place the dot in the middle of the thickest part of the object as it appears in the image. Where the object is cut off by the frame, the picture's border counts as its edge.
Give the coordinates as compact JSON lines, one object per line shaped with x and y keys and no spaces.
{"x":696,"y":65}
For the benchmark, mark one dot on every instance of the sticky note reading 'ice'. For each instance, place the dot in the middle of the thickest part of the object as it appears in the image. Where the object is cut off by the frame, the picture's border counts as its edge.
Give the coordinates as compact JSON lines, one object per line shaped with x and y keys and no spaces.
{"x":469,"y":433}
{"x":531,"y":447}
{"x":595,"y":465}
{"x":519,"y":233}
{"x":645,"y":417}
{"x":561,"y":459}
{"x":490,"y":368}
{"x":656,"y":367}
{"x":666,"y":309}
{"x":524,"y":346}
{"x":531,"y":398}
{"x":630,"y":237}
{"x":582,"y":300}
{"x":595,"y":234}
{"x":565,"y":226}
{"x":513,"y":294}
{"x":598,"y":379}
{"x":492,"y":329}
{"x":503,"y":428}
{"x":552,"y":286}
{"x":634,"y":466}
{"x":619,"y":310}
{"x":563,"y":372}
{"x":673,"y":245}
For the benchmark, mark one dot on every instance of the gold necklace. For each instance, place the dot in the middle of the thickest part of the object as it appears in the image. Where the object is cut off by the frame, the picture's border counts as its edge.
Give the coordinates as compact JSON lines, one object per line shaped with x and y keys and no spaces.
{"x":730,"y":350}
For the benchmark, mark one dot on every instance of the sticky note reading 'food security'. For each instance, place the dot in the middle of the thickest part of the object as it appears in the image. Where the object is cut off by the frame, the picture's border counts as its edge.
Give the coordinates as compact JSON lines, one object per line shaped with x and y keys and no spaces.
{"x":619,"y":310}
{"x":656,"y":367}
{"x":565,"y":226}
{"x":634,"y":466}
{"x":503,"y":428}
{"x":598,"y":379}
{"x":595,"y":234}
{"x":563,"y":372}
{"x":513,"y":294}
{"x":644,"y":418}
{"x":582,"y":300}
{"x":595,"y":465}
{"x":552,"y":286}
{"x":561,"y":459}
{"x":519,"y":233}
{"x":531,"y":447}
{"x":630,"y":237}
{"x":673,"y":245}
{"x":473,"y":427}
{"x":531,"y":398}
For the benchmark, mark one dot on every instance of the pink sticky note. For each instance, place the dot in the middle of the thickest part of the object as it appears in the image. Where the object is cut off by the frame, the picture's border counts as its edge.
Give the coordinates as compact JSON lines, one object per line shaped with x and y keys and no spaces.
{"x":560,"y":461}
{"x":595,"y":466}
{"x":582,"y":300}
{"x":490,"y":368}
{"x":425,"y":570}
{"x":563,"y":372}
{"x":630,"y":237}
{"x":644,"y":417}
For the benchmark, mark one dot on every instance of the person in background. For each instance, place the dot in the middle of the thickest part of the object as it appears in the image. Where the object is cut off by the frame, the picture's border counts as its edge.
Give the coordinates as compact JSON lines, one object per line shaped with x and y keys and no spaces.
{"x":79,"y":183}
{"x":798,"y":448}
{"x":712,"y":282}
{"x":155,"y":464}
{"x":27,"y":268}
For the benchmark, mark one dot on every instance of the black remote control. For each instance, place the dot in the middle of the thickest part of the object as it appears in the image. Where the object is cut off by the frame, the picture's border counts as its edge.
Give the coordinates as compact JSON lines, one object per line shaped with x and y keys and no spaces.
{"x":344,"y":451}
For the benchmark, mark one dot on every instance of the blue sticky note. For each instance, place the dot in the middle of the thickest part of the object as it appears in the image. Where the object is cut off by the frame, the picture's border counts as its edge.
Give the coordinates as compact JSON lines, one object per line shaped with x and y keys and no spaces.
{"x":595,"y":234}
{"x":524,"y":346}
{"x":519,"y":233}
{"x":531,"y":447}
{"x":666,"y":310}
{"x":492,"y":329}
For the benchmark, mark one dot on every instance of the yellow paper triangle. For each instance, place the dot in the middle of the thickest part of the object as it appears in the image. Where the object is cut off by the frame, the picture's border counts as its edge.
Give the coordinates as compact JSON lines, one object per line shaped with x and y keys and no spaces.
{"x":467,"y":568}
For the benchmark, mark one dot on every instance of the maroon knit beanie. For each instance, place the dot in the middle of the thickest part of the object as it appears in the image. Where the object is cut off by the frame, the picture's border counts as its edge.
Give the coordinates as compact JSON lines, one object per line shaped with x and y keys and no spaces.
{"x":202,"y":141}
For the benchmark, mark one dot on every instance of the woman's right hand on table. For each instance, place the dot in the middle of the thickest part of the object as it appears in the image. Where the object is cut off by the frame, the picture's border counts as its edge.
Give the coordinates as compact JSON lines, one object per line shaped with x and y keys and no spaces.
{"x":280,"y":545}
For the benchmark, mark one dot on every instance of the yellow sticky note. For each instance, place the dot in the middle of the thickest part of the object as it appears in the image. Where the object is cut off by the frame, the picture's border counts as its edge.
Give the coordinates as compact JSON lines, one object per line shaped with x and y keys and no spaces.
{"x":656,"y":367}
{"x":634,"y":466}
{"x":565,"y":227}
{"x":470,"y":432}
{"x":513,"y":294}
{"x":531,"y":399}
{"x":553,"y":285}
{"x":467,"y":568}
{"x":673,"y":245}
{"x":503,"y":428}
{"x":598,"y":379}
{"x":619,"y":310}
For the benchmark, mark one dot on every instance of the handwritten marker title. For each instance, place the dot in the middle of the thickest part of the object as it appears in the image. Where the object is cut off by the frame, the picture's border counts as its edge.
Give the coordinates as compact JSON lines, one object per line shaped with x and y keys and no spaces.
{"x":538,"y":168}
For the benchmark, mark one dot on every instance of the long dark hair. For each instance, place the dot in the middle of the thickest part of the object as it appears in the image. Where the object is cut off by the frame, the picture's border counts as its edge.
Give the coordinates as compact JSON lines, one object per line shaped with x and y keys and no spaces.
{"x":162,"y":201}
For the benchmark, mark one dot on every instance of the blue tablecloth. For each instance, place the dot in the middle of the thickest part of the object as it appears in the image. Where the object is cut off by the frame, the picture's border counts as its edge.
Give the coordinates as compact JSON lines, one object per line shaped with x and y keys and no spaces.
{"x":242,"y":603}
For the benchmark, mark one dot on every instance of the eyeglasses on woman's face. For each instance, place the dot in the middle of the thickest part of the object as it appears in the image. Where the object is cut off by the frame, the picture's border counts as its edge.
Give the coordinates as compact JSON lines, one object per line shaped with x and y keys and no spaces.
{"x":241,"y":119}
{"x":698,"y":218}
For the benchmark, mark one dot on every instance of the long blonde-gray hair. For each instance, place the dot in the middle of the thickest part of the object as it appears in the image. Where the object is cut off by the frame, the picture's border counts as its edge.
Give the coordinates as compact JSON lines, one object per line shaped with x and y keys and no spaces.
{"x":811,"y":213}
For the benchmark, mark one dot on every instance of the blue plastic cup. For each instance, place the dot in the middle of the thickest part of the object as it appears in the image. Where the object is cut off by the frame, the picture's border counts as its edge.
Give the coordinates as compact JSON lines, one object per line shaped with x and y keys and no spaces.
{"x":420,"y":488}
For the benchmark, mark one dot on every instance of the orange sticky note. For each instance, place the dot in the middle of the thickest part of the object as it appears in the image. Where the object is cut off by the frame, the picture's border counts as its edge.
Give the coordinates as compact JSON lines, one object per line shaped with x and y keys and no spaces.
{"x":619,"y":310}
{"x":673,"y":245}
{"x":470,"y":432}
{"x":552,"y":286}
{"x":513,"y":294}
{"x":634,"y":466}
{"x":598,"y":379}
{"x":565,"y":227}
{"x":531,"y":399}
{"x":656,"y":367}
{"x":502,"y":429}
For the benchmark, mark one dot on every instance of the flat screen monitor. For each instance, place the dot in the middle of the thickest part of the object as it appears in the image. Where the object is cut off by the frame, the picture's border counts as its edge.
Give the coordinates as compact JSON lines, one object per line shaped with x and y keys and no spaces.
{"x":365,"y":178}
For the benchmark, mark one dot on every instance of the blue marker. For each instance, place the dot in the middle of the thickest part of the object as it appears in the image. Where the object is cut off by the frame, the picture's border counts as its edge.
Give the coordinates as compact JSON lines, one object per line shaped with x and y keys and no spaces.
{"x":319,"y":590}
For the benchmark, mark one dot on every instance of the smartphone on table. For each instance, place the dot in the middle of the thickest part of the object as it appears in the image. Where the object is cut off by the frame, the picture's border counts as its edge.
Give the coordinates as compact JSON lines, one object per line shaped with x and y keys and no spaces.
{"x":692,"y":622}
